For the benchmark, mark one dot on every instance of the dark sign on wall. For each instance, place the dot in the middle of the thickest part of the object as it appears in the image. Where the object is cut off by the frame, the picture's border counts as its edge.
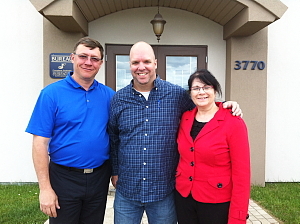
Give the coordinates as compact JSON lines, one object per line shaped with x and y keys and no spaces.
{"x":60,"y":65}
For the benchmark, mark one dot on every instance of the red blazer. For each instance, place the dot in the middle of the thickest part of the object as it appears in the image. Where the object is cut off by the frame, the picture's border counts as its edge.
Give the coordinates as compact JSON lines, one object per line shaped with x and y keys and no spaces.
{"x":215,"y":168}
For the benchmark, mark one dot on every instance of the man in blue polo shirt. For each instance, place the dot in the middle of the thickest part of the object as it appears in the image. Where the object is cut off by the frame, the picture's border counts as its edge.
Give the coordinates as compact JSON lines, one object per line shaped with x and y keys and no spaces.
{"x":69,"y":125}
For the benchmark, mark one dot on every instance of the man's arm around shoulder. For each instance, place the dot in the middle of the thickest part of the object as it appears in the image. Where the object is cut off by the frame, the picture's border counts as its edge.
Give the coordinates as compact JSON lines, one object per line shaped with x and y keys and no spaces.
{"x":235,"y":108}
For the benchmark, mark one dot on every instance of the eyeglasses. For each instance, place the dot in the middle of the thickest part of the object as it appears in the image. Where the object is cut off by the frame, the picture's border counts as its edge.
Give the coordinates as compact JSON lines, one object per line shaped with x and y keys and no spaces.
{"x":204,"y":88}
{"x":85,"y":57}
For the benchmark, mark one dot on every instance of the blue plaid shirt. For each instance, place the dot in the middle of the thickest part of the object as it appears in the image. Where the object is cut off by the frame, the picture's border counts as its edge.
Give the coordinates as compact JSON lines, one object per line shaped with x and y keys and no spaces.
{"x":143,"y":139}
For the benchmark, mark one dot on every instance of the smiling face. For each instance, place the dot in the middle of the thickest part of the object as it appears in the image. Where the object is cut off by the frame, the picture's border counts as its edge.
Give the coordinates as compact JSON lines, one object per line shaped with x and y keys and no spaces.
{"x":85,"y":70}
{"x":202,"y":97}
{"x":143,"y":66}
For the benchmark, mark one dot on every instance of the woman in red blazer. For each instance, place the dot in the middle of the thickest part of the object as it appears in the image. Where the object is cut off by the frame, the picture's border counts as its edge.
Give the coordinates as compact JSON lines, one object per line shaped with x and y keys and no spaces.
{"x":213,"y":174}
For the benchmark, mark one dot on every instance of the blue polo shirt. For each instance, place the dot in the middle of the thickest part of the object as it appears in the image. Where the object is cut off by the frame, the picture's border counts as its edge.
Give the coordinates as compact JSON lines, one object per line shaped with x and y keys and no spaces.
{"x":75,"y":120}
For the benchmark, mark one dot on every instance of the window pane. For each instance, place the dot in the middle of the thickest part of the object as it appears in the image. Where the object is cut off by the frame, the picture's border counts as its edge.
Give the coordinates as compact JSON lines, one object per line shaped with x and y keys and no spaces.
{"x":123,"y":71}
{"x":179,"y":69}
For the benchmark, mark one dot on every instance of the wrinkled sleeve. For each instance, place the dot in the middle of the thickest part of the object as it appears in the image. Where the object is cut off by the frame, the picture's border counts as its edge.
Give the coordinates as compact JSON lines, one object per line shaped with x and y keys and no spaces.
{"x":240,"y":162}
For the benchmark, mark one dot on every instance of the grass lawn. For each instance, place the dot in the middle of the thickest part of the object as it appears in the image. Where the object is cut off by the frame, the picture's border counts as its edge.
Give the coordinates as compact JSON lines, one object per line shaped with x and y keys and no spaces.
{"x":19,"y":204}
{"x":282,"y":200}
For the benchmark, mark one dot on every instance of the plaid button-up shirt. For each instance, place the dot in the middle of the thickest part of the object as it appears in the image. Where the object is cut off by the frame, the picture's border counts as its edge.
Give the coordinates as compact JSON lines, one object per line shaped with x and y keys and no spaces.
{"x":143,"y":139}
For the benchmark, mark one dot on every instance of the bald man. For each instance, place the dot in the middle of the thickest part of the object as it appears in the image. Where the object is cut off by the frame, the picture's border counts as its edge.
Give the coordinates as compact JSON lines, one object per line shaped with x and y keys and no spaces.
{"x":143,"y":128}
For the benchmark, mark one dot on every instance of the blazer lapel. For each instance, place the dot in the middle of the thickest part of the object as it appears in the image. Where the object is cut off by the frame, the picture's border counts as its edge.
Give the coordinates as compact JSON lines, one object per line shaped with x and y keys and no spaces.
{"x":187,"y":124}
{"x":210,"y":126}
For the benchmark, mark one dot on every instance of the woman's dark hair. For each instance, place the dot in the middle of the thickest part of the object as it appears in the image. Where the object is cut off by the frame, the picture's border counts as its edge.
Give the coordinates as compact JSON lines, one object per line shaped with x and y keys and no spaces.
{"x":91,"y":43}
{"x":206,"y":77}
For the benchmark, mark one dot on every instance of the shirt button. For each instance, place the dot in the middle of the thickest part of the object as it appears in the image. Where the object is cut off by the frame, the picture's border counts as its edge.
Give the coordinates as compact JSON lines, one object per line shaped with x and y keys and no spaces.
{"x":144,"y":164}
{"x":140,"y":95}
{"x":146,"y":134}
{"x":146,"y":119}
{"x":87,"y":101}
{"x":190,"y":178}
{"x":219,"y":185}
{"x":144,"y":178}
{"x":192,"y":149}
{"x":145,"y":148}
{"x":147,"y":106}
{"x":192,"y":163}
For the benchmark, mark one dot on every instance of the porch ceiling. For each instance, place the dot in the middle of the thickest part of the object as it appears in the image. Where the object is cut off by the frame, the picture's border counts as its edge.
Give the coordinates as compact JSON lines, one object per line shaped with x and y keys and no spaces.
{"x":238,"y":17}
{"x":220,"y":11}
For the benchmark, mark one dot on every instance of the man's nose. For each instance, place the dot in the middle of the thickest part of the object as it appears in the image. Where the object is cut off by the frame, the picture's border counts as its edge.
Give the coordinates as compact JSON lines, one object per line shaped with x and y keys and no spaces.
{"x":141,"y":66}
{"x":88,"y":61}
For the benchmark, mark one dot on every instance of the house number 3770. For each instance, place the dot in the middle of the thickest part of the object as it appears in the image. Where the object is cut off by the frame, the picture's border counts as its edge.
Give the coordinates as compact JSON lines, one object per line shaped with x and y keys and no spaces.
{"x":249,"y":65}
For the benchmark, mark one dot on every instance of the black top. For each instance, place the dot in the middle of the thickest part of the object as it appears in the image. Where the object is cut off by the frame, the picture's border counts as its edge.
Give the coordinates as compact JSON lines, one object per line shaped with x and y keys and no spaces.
{"x":196,"y":128}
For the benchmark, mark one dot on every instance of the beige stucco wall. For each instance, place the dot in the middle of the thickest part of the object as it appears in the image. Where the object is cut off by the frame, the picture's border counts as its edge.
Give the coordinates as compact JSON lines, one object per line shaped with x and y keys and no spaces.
{"x":56,"y":41}
{"x":130,"y":26}
{"x":248,"y":87}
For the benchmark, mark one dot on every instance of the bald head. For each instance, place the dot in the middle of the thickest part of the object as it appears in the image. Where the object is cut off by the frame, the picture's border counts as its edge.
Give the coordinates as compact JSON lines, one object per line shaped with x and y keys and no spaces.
{"x":143,"y":66}
{"x":143,"y":48}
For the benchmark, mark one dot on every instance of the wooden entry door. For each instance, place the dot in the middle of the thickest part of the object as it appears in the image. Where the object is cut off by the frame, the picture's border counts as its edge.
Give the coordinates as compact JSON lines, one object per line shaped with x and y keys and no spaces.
{"x":174,"y":63}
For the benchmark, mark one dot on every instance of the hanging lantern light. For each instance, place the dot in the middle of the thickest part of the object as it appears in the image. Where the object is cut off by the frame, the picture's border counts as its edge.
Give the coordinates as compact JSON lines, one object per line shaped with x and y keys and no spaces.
{"x":158,"y":24}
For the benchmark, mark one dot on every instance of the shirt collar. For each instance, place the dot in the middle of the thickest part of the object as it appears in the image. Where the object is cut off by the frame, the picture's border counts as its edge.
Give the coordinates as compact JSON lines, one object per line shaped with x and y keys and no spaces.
{"x":157,"y":83}
{"x":73,"y":83}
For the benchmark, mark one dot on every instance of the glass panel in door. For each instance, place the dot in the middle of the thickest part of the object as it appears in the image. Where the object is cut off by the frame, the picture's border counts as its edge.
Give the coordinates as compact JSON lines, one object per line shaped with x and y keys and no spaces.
{"x":179,"y":69}
{"x":123,"y":74}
